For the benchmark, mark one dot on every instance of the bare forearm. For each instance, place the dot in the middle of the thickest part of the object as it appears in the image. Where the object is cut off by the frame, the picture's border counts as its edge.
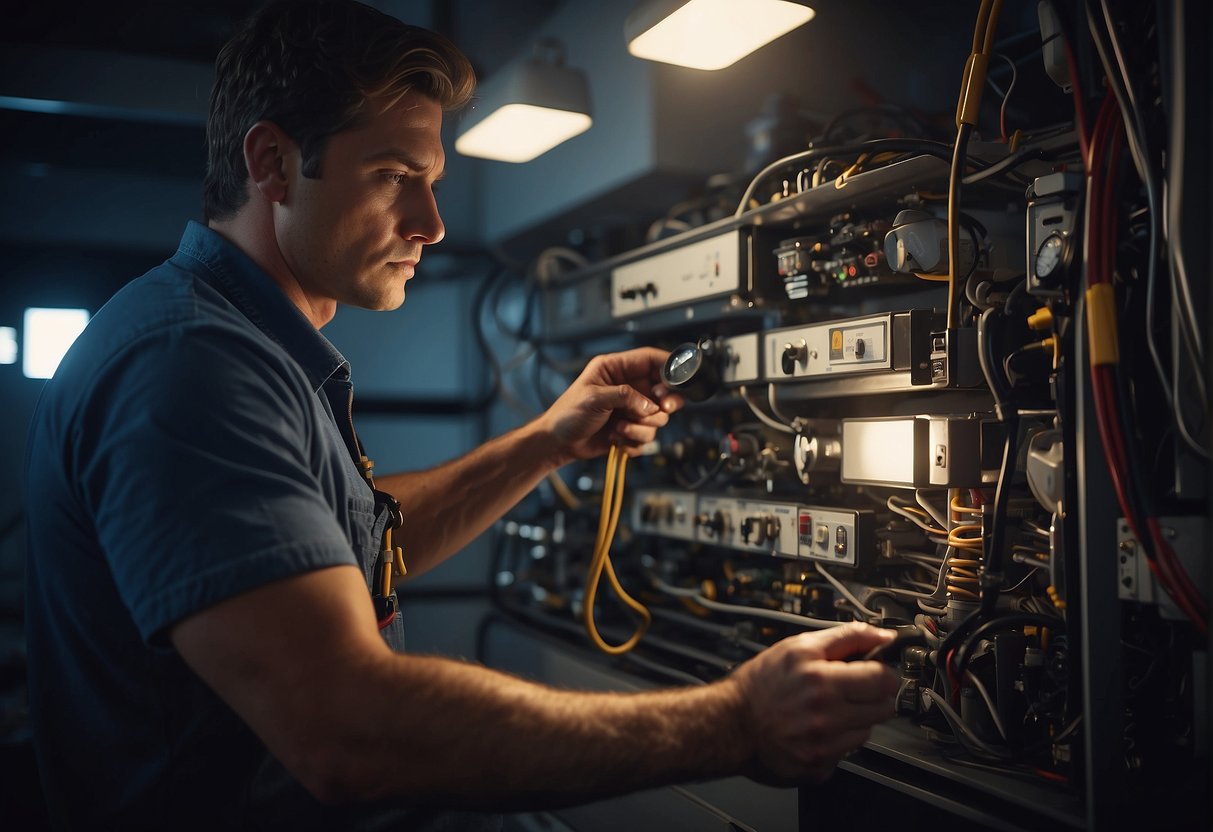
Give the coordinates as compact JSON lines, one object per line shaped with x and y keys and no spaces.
{"x":464,"y":735}
{"x":447,"y":507}
{"x":354,"y":721}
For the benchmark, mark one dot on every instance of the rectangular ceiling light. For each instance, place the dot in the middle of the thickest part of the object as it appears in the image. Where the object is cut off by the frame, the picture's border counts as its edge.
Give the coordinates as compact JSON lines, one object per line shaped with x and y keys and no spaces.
{"x":709,"y":34}
{"x":48,"y":334}
{"x":525,"y":111}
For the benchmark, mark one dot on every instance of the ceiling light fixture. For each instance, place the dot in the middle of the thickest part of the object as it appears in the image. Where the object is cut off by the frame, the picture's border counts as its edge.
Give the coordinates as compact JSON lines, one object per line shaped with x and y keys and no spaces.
{"x":527,"y":109}
{"x":709,"y":34}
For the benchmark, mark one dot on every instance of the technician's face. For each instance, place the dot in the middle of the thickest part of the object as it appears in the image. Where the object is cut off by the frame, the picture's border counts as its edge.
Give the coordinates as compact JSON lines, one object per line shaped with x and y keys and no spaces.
{"x":355,"y":234}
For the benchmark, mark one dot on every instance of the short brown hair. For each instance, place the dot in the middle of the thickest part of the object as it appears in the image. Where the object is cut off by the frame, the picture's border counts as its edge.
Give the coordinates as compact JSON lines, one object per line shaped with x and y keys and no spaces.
{"x":315,"y":68}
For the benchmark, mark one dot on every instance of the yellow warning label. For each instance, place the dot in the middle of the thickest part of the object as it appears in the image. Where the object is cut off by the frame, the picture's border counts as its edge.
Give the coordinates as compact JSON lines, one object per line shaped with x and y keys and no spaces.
{"x":835,"y":339}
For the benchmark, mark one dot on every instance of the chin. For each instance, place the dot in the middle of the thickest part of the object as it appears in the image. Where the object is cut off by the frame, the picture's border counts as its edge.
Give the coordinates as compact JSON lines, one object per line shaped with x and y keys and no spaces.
{"x":392,"y":300}
{"x":381,"y":297}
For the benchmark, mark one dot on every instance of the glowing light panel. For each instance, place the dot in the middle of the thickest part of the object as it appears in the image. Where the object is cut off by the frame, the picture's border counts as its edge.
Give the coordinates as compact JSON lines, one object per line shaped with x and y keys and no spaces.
{"x":48,"y":334}
{"x":8,"y":345}
{"x":878,"y":451}
{"x":520,"y":132}
{"x":713,"y":34}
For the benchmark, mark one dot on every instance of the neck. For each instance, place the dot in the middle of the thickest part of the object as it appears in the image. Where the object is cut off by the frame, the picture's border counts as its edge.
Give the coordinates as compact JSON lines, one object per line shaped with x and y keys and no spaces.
{"x":253,"y":233}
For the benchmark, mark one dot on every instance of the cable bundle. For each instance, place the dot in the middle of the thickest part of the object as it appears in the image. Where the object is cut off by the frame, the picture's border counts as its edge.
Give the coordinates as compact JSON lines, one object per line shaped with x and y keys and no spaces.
{"x":1102,"y":329}
{"x":608,"y":521}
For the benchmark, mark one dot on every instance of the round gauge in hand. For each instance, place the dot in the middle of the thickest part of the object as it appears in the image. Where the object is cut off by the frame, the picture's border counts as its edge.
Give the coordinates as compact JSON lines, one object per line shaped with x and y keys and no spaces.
{"x":690,"y":371}
{"x":1049,"y":256}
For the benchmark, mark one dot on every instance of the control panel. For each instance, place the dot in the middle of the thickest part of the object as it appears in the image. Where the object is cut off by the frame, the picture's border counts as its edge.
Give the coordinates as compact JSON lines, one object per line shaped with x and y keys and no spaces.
{"x":696,"y":271}
{"x":784,"y":529}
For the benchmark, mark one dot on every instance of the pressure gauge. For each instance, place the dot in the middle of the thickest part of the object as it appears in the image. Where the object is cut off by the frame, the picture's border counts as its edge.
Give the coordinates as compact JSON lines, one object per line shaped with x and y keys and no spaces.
{"x":1049,"y":257}
{"x":691,"y":370}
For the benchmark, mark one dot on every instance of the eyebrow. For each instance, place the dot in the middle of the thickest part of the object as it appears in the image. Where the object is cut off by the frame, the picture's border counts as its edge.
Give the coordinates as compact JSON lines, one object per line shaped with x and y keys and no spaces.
{"x":396,"y":154}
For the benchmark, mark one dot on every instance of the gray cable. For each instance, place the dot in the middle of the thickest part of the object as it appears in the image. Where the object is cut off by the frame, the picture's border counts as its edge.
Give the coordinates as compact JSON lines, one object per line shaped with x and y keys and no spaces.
{"x":846,"y":593}
{"x":931,"y":510}
{"x":1122,"y":89}
{"x":985,"y":695}
{"x":1137,"y":137}
{"x":762,"y":417}
{"x":963,"y":731}
{"x":742,"y":609}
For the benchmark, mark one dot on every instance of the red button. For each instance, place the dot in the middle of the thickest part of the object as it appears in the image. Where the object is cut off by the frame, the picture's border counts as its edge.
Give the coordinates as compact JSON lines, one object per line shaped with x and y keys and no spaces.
{"x":806,"y":523}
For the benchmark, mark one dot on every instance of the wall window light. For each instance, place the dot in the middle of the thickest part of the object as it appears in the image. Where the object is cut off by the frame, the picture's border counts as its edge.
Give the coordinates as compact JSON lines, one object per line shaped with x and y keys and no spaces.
{"x":527,"y":109}
{"x":709,"y":34}
{"x":8,"y":345}
{"x":48,"y":333}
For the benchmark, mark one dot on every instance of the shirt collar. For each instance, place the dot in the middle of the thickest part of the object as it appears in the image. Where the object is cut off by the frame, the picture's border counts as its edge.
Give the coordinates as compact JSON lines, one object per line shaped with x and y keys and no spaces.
{"x":256,"y":295}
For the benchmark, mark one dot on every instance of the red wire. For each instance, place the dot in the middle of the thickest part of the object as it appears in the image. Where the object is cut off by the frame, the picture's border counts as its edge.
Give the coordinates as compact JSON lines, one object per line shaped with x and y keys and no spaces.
{"x":1195,"y":601}
{"x":1098,"y":385}
{"x":1052,"y":775}
{"x":1107,"y":113}
{"x":1080,"y":115}
{"x":1109,"y":131}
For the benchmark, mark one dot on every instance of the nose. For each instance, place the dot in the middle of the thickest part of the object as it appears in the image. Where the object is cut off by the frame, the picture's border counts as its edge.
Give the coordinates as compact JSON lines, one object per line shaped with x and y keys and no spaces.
{"x":422,"y":221}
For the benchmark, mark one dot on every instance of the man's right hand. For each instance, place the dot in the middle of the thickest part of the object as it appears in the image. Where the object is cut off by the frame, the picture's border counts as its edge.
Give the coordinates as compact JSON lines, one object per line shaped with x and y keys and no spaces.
{"x":804,"y":708}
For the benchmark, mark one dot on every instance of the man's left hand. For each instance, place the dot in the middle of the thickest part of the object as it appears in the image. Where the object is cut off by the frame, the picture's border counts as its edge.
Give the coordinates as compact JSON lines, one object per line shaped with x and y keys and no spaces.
{"x":617,"y":400}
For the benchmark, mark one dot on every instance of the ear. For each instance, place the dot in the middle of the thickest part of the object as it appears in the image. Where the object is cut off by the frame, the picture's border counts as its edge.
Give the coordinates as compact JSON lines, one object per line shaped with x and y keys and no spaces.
{"x":265,"y":155}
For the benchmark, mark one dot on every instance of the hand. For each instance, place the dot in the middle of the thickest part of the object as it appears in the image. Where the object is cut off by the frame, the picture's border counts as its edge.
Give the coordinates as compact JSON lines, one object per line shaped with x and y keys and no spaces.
{"x":805,"y":709}
{"x":617,"y":400}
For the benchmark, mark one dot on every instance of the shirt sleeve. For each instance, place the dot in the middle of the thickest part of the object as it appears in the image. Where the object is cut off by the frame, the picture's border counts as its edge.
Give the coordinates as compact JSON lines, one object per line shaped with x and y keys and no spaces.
{"x":197,"y":455}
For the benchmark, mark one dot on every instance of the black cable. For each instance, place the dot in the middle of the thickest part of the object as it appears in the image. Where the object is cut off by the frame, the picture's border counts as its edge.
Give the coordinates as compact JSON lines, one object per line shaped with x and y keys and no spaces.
{"x":1005,"y":164}
{"x":1139,"y":149}
{"x":964,"y":652}
{"x":542,"y":360}
{"x":484,"y":292}
{"x":991,"y":574}
{"x":900,"y":114}
{"x":995,"y":380}
{"x":523,"y":331}
{"x":695,"y":485}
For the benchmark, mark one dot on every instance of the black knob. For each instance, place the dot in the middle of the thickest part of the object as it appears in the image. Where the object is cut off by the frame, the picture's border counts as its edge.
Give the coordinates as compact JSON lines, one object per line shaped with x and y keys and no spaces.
{"x":792,"y":354}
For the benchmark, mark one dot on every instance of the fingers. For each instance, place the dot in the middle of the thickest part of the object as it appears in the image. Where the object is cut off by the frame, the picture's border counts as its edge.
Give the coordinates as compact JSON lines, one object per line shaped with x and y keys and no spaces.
{"x":636,"y":432}
{"x":634,"y":404}
{"x":861,"y":682}
{"x":668,"y":400}
{"x":639,"y":368}
{"x":640,"y":364}
{"x":809,"y":710}
{"x":838,"y":643}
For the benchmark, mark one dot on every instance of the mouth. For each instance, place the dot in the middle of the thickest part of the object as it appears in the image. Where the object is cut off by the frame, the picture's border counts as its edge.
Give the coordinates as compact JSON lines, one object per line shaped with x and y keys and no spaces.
{"x":404,"y":267}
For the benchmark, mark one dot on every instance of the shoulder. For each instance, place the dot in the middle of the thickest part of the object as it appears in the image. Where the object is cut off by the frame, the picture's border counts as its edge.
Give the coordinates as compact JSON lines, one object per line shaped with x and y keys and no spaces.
{"x":170,"y":340}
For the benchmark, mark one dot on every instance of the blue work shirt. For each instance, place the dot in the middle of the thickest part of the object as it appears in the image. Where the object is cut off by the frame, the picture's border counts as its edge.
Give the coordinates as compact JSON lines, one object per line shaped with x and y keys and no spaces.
{"x":194,"y":444}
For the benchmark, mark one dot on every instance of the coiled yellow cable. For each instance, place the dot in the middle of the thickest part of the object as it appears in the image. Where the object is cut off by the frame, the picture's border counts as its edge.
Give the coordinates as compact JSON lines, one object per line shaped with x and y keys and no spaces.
{"x":608,"y":521}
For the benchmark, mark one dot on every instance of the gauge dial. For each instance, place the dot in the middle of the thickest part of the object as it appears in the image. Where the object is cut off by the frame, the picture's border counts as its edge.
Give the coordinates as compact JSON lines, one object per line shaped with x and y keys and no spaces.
{"x":691,"y":371}
{"x":1049,"y":255}
{"x":682,"y":364}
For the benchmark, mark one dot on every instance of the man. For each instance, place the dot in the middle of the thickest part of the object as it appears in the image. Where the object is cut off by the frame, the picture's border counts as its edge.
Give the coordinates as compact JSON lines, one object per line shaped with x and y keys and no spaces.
{"x":210,"y":625}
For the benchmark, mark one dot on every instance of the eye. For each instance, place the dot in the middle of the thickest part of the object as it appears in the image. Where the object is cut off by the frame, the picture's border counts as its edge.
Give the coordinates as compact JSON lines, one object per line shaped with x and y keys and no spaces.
{"x":394,"y":177}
